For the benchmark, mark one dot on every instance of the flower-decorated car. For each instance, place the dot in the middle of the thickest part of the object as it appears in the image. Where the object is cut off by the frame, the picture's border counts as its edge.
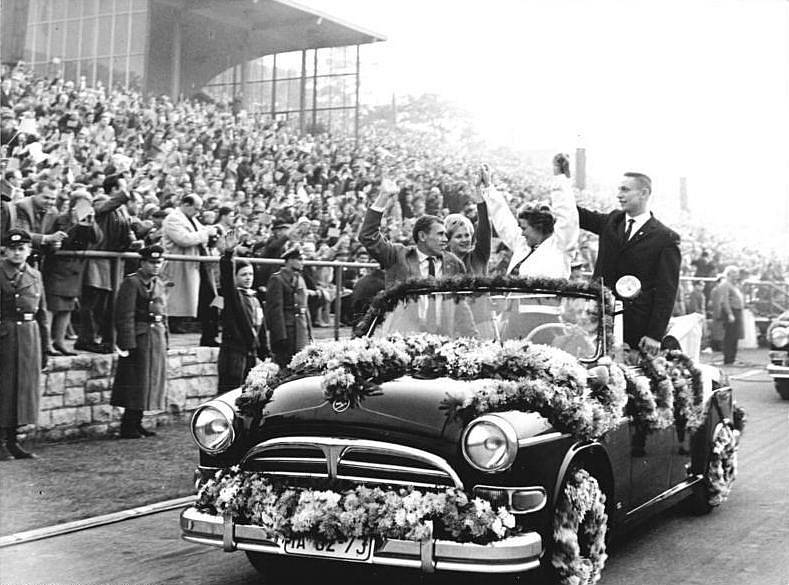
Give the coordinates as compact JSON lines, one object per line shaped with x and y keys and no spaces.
{"x":778,"y":368}
{"x":485,"y":425}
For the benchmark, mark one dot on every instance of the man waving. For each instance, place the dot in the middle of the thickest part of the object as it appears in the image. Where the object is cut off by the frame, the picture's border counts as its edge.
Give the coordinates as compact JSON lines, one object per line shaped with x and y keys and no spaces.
{"x":633,"y":242}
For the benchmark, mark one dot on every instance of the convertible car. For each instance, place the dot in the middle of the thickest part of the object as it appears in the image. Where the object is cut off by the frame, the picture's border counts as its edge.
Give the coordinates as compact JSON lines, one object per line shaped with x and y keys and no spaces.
{"x":489,"y":425}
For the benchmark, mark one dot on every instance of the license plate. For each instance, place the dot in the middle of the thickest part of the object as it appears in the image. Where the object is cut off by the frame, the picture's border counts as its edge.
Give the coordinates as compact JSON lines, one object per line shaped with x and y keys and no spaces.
{"x":355,"y":549}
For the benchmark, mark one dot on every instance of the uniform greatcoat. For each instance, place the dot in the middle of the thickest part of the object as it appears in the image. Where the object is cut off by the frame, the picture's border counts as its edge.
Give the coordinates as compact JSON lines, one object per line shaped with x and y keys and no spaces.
{"x":24,"y":335}
{"x":287,"y":315}
{"x":141,"y":322}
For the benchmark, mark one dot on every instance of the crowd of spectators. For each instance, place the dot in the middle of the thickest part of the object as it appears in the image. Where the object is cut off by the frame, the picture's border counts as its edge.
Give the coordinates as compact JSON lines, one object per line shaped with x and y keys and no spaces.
{"x":93,"y":168}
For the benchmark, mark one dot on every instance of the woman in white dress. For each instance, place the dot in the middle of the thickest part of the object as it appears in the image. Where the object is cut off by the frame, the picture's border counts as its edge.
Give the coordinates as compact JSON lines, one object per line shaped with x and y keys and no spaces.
{"x":542,"y":238}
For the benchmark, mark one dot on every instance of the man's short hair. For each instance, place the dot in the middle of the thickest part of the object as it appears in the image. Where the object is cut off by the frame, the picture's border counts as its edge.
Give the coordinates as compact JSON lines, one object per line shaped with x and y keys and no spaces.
{"x":41,"y":185}
{"x":191,"y":199}
{"x":111,"y":182}
{"x":423,"y":224}
{"x":644,"y":182}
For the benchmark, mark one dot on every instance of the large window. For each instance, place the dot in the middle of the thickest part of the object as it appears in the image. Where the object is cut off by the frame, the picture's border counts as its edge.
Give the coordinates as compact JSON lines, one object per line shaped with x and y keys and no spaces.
{"x":103,"y":40}
{"x":316,"y":88}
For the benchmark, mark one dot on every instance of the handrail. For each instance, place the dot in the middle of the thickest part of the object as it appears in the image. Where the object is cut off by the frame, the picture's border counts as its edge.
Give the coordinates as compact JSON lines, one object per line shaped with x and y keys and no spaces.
{"x":339,"y":266}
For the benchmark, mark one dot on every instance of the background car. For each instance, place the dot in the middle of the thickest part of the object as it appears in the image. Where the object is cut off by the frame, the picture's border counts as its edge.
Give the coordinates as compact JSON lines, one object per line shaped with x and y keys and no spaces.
{"x":778,"y":368}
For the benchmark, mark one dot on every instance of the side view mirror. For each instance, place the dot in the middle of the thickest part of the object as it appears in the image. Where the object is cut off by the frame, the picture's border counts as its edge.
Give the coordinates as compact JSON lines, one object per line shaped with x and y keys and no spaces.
{"x":628,"y":287}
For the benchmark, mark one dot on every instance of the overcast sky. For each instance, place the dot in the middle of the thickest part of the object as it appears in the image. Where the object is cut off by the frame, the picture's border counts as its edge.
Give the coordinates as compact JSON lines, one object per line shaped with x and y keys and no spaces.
{"x":698,"y":88}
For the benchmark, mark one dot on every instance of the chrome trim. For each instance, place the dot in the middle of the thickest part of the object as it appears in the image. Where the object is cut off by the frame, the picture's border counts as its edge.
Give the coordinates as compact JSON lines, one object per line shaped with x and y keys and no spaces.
{"x":393,"y":468}
{"x":225,"y":410}
{"x":512,"y":555}
{"x":509,"y":432}
{"x":531,"y":441}
{"x":360,"y":479}
{"x":510,"y":490}
{"x":334,"y":449}
{"x":690,"y":482}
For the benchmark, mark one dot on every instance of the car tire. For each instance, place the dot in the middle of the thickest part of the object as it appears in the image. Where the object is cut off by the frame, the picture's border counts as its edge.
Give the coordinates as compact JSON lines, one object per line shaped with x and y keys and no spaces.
{"x":719,"y":473}
{"x":579,"y":532}
{"x":782,"y":387}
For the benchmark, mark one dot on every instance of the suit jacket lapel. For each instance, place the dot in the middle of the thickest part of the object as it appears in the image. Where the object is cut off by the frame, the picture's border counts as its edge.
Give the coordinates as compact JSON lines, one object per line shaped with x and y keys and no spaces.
{"x":643,"y":231}
{"x":413,"y":263}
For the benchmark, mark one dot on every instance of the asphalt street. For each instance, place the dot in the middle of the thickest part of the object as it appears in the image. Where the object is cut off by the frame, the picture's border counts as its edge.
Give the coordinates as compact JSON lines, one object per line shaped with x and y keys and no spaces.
{"x":742,"y":542}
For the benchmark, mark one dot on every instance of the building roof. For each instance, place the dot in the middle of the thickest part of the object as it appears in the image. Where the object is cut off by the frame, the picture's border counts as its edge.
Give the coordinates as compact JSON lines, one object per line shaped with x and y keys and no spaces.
{"x":219,"y":33}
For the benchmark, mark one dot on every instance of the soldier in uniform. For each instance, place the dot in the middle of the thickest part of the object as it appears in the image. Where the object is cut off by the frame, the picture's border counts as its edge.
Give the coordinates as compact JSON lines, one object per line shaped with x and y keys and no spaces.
{"x":141,"y":324}
{"x":287,"y":315}
{"x":24,"y":337}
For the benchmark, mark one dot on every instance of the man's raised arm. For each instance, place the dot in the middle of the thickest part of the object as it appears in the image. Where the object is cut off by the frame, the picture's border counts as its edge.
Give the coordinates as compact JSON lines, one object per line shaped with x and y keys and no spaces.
{"x":370,"y":233}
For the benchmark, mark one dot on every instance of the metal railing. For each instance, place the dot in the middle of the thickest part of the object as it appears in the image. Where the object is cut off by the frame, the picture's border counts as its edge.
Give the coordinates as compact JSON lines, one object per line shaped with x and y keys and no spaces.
{"x":117,"y":259}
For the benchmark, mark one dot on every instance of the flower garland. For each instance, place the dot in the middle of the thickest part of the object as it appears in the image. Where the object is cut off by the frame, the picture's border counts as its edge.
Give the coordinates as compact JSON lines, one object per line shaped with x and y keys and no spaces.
{"x":668,"y":391}
{"x":722,"y":466}
{"x":461,"y":285}
{"x":326,"y":515}
{"x":580,"y":516}
{"x":521,"y":376}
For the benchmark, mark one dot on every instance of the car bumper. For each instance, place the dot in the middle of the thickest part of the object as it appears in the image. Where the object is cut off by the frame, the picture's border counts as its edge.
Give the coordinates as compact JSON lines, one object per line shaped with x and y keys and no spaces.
{"x":512,"y":555}
{"x":778,"y":371}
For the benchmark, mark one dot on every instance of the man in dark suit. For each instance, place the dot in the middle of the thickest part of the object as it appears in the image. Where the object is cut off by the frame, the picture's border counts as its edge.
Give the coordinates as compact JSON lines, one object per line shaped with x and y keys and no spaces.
{"x":633,"y":242}
{"x":427,"y":257}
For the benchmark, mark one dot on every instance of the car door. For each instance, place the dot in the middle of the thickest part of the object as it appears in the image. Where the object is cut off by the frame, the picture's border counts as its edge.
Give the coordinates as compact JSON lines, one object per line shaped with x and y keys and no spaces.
{"x":650,"y":467}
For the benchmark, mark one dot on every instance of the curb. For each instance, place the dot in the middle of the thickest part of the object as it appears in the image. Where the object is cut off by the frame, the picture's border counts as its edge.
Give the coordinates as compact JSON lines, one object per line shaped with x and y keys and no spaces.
{"x":77,"y":525}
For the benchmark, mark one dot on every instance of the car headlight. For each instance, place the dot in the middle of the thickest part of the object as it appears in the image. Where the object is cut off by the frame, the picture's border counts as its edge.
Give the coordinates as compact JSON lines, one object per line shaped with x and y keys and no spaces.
{"x":490,"y":443}
{"x":779,"y":336}
{"x":212,"y":427}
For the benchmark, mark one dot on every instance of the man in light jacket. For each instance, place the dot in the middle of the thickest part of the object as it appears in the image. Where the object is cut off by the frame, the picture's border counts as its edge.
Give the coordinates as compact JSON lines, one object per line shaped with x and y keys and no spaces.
{"x":184,"y":235}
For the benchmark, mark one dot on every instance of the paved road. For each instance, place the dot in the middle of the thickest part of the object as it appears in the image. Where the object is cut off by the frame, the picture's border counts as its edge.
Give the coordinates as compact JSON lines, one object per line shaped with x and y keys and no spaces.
{"x":746,"y":541}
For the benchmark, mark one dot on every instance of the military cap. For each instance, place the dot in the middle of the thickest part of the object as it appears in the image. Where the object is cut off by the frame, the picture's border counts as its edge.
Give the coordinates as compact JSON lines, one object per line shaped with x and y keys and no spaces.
{"x":17,"y":237}
{"x":153,"y":252}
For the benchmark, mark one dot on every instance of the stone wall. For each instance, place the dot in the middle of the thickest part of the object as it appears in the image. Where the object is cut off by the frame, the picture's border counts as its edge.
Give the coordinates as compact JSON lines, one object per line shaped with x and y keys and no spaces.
{"x":75,"y":393}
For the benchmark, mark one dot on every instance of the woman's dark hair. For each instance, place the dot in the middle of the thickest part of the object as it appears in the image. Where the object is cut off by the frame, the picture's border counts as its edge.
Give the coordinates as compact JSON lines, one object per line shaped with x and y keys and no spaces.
{"x":540,"y":218}
{"x":241,"y":264}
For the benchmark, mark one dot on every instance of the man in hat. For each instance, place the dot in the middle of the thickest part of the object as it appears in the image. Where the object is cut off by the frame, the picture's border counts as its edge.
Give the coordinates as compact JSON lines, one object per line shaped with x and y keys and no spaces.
{"x":24,"y":331}
{"x":273,"y":248}
{"x":287,"y":313}
{"x":141,"y":324}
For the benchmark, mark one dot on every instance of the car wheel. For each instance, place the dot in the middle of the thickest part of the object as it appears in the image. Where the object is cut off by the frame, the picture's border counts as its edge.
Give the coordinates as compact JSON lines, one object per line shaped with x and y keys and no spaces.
{"x":577,"y":551}
{"x":719,"y":474}
{"x":782,"y":387}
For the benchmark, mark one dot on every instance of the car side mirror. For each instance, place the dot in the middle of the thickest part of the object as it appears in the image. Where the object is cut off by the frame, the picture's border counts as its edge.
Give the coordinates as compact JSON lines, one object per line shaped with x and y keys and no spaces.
{"x":628,"y":287}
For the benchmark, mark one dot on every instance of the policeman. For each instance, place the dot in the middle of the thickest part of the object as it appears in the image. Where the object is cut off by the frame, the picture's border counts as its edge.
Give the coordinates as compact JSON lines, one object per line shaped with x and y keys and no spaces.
{"x":286,"y":308}
{"x":24,"y":333}
{"x":141,"y":325}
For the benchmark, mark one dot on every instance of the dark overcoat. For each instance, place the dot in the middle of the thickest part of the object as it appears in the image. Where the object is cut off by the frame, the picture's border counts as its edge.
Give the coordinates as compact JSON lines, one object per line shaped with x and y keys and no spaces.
{"x":63,"y":274}
{"x":141,"y":323}
{"x":652,"y":255}
{"x":24,"y":335}
{"x":286,"y":311}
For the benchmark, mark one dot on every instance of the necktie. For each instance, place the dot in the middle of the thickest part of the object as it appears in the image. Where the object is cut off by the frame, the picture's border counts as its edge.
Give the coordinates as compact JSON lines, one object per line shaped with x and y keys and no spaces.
{"x":629,"y":229}
{"x":431,"y":266}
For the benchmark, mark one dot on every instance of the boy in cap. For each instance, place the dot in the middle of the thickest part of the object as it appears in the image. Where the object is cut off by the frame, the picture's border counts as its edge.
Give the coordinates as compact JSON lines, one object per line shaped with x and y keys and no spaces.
{"x":141,"y":324}
{"x":25,"y":333}
{"x":287,"y":315}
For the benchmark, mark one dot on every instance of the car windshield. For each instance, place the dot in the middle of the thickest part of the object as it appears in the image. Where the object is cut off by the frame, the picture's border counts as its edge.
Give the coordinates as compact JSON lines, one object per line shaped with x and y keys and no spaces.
{"x":566,"y":322}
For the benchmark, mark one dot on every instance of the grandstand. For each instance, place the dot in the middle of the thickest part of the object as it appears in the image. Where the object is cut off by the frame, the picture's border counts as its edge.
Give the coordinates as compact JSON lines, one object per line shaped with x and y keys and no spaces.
{"x":273,"y":56}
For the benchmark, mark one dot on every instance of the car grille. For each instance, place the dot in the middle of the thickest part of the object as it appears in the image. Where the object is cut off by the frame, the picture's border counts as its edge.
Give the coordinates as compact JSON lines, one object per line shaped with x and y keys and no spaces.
{"x":357,"y":460}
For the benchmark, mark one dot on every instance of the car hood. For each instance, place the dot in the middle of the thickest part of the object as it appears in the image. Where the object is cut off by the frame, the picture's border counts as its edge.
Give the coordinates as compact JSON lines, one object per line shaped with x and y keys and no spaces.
{"x":404,"y":407}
